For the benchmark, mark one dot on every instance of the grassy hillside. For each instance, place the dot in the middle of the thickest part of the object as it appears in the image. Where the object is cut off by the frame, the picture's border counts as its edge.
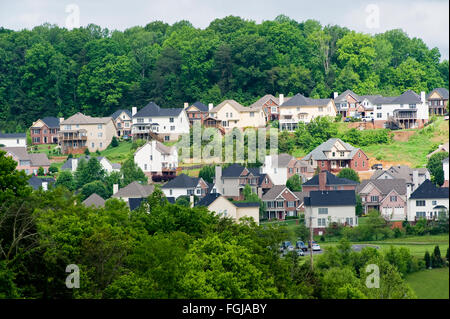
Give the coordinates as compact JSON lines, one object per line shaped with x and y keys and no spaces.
{"x":430,"y":284}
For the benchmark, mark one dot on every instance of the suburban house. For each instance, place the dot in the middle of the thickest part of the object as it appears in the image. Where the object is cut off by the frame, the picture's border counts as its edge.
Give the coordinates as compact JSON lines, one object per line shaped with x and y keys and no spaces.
{"x":133,"y":193}
{"x":408,"y":110}
{"x":45,"y":131}
{"x":388,"y":196}
{"x":282,"y":166}
{"x":38,"y":182}
{"x":234,"y":115}
{"x":441,"y":148}
{"x":270,"y":105}
{"x":155,"y":158}
{"x":231,"y":181}
{"x":325,"y":207}
{"x":334,"y":155}
{"x":303,"y":109}
{"x":81,"y":131}
{"x":325,"y":181}
{"x":446,"y":173}
{"x":349,"y":104}
{"x":197,"y":111}
{"x":72,"y":164}
{"x":184,"y":185}
{"x":13,"y":139}
{"x":123,"y":121}
{"x":223,"y":207}
{"x":28,"y":162}
{"x":412,"y":176}
{"x":94,"y":200}
{"x":438,"y":101}
{"x":164,"y":124}
{"x":428,"y":201}
{"x":281,"y":202}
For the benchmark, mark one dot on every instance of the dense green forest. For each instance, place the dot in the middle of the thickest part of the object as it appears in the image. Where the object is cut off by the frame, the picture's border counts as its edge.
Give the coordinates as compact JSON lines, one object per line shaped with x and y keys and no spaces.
{"x":50,"y":71}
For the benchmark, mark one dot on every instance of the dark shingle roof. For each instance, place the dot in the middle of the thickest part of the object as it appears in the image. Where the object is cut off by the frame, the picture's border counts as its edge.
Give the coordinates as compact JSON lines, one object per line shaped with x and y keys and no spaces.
{"x":246,"y":204}
{"x":208,"y":199}
{"x":152,"y":109}
{"x":331,"y":198}
{"x":95,"y":200}
{"x":134,"y":203}
{"x":318,"y":152}
{"x":13,"y":135}
{"x":135,"y":190}
{"x":408,"y":97}
{"x":51,"y":122}
{"x":36,"y":182}
{"x":182,"y":181}
{"x":443,"y":92}
{"x":233,"y":170}
{"x":385,"y":186}
{"x":202,"y":107}
{"x":331,"y":180}
{"x":118,"y":112}
{"x":428,"y":190}
{"x":299,"y":100}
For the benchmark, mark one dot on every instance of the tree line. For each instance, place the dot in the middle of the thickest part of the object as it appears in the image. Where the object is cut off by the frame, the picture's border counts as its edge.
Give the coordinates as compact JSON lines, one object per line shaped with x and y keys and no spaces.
{"x":52,"y":71}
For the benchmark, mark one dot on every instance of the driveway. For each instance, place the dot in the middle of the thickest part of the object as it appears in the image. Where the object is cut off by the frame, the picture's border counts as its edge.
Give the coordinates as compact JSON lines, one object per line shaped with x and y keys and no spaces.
{"x":359,"y":247}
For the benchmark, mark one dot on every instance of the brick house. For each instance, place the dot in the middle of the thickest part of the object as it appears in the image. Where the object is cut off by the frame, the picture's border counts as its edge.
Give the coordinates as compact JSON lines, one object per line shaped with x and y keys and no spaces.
{"x":388,"y":196}
{"x":334,"y":155}
{"x":28,"y":162}
{"x":327,"y":181}
{"x":45,"y":131}
{"x":197,"y":111}
{"x":271,"y":105}
{"x":438,"y":101}
{"x":281,"y":202}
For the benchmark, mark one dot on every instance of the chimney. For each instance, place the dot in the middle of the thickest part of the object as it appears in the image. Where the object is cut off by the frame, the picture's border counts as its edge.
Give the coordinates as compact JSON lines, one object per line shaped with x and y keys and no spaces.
{"x":133,"y":110}
{"x":74,"y":164}
{"x":422,"y":96}
{"x":281,"y":99}
{"x":408,"y":192}
{"x":45,"y":186}
{"x":115,"y":188}
{"x":61,"y":119}
{"x":322,"y":180}
{"x":415,"y":180}
{"x":218,"y":179}
{"x":335,"y":95}
{"x":210,"y":106}
{"x":186,"y":104}
{"x":191,"y":201}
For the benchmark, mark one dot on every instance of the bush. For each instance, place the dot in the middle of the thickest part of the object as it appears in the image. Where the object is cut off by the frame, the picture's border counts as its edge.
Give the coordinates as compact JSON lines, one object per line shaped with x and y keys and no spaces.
{"x":114,"y":142}
{"x":53,"y":169}
{"x":86,"y":151}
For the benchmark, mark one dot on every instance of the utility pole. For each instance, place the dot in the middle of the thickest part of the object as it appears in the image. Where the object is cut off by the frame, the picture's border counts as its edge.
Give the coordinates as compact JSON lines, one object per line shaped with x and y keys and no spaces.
{"x":311,"y":242}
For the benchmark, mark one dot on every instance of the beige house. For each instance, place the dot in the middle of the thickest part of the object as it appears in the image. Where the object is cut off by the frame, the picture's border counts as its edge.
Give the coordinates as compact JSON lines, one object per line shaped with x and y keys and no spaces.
{"x":223,"y":207}
{"x":232,"y":114}
{"x":81,"y":131}
{"x":303,"y":109}
{"x":123,"y":121}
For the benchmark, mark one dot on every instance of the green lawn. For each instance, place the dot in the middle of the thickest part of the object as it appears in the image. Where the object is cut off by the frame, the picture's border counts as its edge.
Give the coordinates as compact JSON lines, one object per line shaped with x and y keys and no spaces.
{"x":430,"y":284}
{"x":117,"y":154}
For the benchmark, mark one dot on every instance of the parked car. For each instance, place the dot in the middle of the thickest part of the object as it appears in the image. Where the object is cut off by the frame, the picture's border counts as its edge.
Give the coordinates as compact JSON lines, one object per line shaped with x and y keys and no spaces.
{"x":286,"y":244}
{"x":309,"y":243}
{"x":347,"y":119}
{"x":316,"y":247}
{"x":300,"y":252}
{"x":301,"y":245}
{"x":377,"y":166}
{"x":366,"y":118}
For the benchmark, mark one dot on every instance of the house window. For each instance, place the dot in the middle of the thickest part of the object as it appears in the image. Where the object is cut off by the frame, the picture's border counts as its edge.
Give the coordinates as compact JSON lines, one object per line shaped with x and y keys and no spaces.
{"x":171,"y":120}
{"x":170,"y":192}
{"x":166,"y":138}
{"x":67,"y":127}
{"x":393,"y":198}
{"x":291,"y":204}
{"x":252,"y":114}
{"x":320,"y":109}
{"x":420,"y":214}
{"x":199,"y":191}
{"x":321,"y":222}
{"x":140,"y":120}
{"x":291,"y":170}
{"x":349,"y":221}
{"x":92,"y":144}
{"x":379,"y":107}
{"x":151,"y":157}
{"x":100,"y":134}
{"x":342,"y":154}
{"x":274,"y":109}
{"x":280,"y":204}
{"x":333,"y":154}
{"x":99,"y":126}
{"x":434,"y":202}
{"x":172,"y":128}
{"x":412,"y":106}
{"x":323,"y":164}
{"x":363,"y":163}
{"x":420,"y":203}
{"x":127,"y":124}
{"x":145,"y":167}
{"x":323,"y":210}
{"x":101,"y":144}
{"x":374,"y":198}
{"x":231,"y":114}
{"x":36,"y":140}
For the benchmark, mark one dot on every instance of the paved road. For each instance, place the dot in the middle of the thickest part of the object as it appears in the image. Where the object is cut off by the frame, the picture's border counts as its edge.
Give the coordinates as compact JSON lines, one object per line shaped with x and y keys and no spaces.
{"x":361,"y":246}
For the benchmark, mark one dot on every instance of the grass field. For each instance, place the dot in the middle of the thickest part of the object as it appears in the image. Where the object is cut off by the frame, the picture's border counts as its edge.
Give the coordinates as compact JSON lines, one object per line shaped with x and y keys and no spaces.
{"x":430,"y":284}
{"x":118,"y":154}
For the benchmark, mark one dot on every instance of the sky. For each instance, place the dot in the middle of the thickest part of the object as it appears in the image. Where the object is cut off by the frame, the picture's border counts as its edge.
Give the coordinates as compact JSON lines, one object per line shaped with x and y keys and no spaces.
{"x":426,"y":19}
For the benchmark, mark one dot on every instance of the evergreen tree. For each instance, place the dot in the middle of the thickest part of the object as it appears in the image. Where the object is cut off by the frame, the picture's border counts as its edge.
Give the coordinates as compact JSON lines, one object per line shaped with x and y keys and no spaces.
{"x":427,"y":260}
{"x":294,"y":183}
{"x":436,"y":259}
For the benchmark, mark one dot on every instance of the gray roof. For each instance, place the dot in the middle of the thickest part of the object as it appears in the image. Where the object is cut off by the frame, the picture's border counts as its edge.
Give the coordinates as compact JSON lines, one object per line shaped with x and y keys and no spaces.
{"x":400,"y":172}
{"x":163,"y":149}
{"x":274,"y":192}
{"x":427,"y":190}
{"x":80,"y":118}
{"x":36,"y":159}
{"x":443,"y":92}
{"x":246,"y":204}
{"x":153,"y":110}
{"x":331,"y":179}
{"x":233,"y":170}
{"x":118,"y":112}
{"x":385,"y":186}
{"x":318,"y":152}
{"x":51,"y":122}
{"x":237,"y":106}
{"x":282,"y":159}
{"x":94,"y":200}
{"x":330,"y":198}
{"x":13,"y":135}
{"x":135,"y":190}
{"x":36,"y":182}
{"x":182,"y":181}
{"x":408,"y":97}
{"x":299,"y":100}
{"x":342,"y":97}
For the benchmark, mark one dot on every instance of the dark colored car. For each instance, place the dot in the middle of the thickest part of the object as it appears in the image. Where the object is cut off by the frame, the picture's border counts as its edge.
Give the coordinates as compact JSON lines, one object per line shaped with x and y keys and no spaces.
{"x":301,"y":245}
{"x":377,"y":166}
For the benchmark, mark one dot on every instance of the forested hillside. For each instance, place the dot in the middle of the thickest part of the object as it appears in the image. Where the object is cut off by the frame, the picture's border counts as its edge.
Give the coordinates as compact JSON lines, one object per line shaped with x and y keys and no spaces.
{"x":52,"y":71}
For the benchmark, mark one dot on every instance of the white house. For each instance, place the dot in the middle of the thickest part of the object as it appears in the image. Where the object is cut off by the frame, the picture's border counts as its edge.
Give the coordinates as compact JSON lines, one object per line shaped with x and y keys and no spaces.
{"x":72,"y":164}
{"x":325,"y":207}
{"x":13,"y":139}
{"x":428,"y":201}
{"x":183,"y":185}
{"x":409,"y":110}
{"x":168,"y":123}
{"x":156,"y":158}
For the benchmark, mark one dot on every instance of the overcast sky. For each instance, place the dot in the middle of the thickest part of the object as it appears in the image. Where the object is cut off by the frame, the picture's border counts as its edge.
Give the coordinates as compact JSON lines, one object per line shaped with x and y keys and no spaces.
{"x":428,"y":20}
